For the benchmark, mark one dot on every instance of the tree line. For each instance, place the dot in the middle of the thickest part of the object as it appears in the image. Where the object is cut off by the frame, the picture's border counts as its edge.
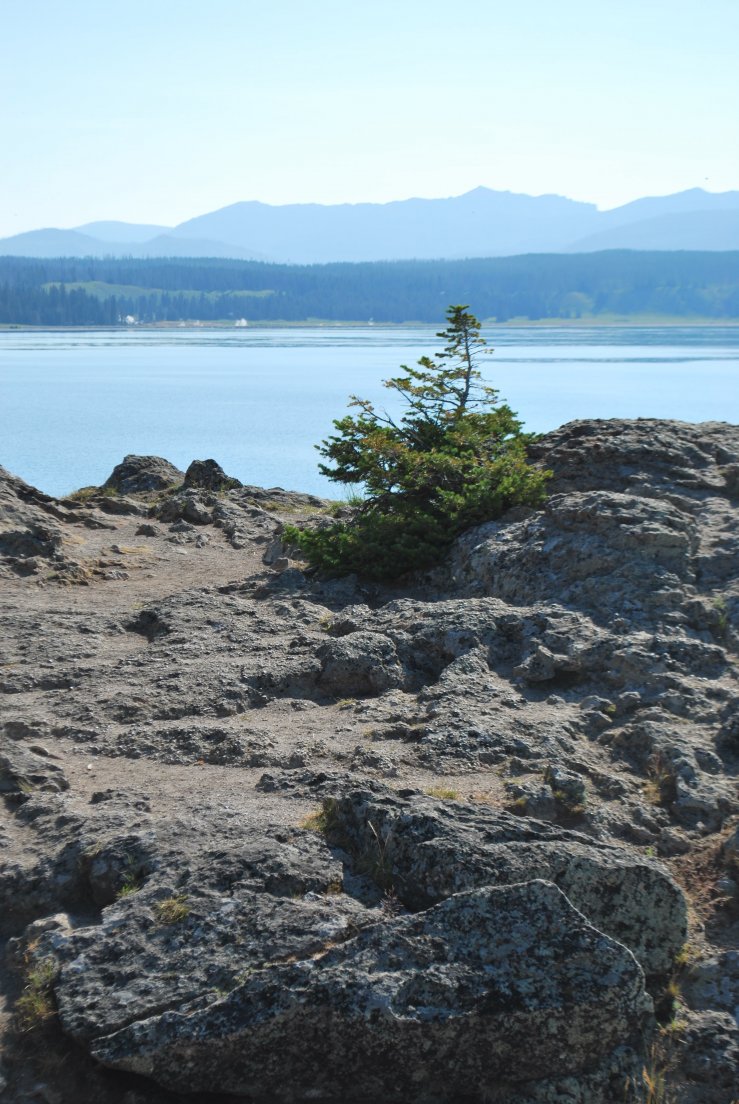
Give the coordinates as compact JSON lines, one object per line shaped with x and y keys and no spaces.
{"x":102,"y":292}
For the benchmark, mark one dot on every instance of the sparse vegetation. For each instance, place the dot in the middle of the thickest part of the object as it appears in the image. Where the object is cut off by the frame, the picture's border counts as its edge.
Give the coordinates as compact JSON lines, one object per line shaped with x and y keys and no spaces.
{"x":661,"y":785}
{"x":376,"y":861}
{"x":444,"y":793}
{"x":128,"y":889}
{"x":132,"y":880}
{"x":482,"y":797}
{"x":687,"y":956}
{"x":36,"y":1002}
{"x":323,"y":820}
{"x":655,"y":1085}
{"x":84,"y":494}
{"x":172,"y":910}
{"x":651,"y":1087}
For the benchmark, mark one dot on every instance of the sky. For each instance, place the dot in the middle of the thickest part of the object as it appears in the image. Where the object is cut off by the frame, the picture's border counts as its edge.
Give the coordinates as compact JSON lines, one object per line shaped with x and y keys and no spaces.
{"x":156,"y":111}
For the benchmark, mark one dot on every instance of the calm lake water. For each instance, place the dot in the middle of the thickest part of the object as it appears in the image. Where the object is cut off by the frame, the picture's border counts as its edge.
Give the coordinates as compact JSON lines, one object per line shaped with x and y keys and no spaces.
{"x":72,"y":404}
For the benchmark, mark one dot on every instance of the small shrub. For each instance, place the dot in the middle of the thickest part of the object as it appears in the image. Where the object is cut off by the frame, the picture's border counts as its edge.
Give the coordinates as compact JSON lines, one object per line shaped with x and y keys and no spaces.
{"x":519,"y":806}
{"x":722,"y":623}
{"x":567,"y":805}
{"x":391,"y":904}
{"x":456,"y":458}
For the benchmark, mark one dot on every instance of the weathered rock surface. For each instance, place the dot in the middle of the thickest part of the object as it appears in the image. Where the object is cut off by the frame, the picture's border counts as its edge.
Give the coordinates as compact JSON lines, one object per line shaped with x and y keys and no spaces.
{"x":209,"y":475}
{"x":30,"y":533}
{"x":565,"y":691}
{"x":427,"y":853}
{"x":143,"y":473}
{"x":24,"y":769}
{"x":495,"y":985}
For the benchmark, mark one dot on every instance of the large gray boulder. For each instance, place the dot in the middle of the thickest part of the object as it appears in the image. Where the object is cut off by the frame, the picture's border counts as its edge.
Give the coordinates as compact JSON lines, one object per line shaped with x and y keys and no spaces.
{"x":210,"y":476}
{"x":494,"y":986}
{"x":363,"y":663}
{"x":143,"y":473}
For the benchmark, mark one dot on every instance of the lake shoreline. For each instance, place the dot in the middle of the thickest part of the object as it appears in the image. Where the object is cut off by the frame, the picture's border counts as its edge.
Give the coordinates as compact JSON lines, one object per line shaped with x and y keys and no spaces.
{"x":638,"y":322}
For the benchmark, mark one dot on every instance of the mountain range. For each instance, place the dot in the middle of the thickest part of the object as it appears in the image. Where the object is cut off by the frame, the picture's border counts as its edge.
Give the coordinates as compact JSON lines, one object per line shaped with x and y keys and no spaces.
{"x":480,"y":223}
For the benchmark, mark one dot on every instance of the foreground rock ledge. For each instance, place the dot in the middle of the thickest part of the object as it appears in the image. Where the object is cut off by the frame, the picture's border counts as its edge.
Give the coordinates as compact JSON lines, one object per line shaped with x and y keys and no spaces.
{"x":557,"y":704}
{"x":498,"y":983}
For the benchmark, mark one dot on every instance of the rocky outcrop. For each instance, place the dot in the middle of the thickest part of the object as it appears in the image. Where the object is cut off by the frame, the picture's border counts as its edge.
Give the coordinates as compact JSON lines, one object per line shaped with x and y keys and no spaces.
{"x":295,"y":838}
{"x":33,"y":531}
{"x":645,"y":455}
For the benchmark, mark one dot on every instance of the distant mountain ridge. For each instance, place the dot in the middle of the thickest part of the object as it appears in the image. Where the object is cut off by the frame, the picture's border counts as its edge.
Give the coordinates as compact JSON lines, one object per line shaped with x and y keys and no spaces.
{"x":480,"y":223}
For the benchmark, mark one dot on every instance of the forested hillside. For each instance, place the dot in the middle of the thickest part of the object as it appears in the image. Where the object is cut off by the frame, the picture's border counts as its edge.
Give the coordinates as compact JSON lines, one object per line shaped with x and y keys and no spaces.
{"x":74,"y":292}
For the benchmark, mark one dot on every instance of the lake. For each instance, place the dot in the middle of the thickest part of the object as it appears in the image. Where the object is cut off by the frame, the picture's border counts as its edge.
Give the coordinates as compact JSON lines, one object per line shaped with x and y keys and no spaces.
{"x":72,"y":404}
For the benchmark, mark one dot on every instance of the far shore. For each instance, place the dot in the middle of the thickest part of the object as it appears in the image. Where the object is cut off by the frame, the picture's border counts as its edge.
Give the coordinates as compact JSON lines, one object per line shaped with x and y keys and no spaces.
{"x":599,"y":322}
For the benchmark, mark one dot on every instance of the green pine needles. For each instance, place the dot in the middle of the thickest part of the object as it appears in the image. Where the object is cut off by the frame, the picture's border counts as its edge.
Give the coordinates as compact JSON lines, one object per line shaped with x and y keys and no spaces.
{"x":456,"y":458}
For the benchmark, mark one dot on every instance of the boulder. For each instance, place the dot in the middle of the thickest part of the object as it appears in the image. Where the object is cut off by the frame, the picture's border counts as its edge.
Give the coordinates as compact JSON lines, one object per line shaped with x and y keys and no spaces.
{"x":713,"y":983}
{"x":497,"y":985}
{"x":363,"y":663}
{"x":597,"y":551}
{"x":143,"y":473}
{"x":209,"y":476}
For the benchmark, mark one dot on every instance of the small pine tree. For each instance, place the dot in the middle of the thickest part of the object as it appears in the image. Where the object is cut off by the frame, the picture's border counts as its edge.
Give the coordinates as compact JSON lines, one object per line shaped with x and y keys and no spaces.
{"x":456,"y":458}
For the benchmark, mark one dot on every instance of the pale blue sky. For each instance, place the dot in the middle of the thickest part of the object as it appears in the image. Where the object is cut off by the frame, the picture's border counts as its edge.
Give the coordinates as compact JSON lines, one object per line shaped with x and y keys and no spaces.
{"x":158,"y":111}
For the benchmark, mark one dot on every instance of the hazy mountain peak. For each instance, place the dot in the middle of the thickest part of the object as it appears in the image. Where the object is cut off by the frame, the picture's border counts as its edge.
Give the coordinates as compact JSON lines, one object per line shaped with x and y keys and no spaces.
{"x":115,"y":231}
{"x":482,"y":222}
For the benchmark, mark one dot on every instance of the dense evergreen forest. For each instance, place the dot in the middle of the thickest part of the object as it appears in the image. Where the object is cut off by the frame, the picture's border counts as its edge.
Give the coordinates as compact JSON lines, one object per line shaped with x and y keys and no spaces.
{"x":102,"y":292}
